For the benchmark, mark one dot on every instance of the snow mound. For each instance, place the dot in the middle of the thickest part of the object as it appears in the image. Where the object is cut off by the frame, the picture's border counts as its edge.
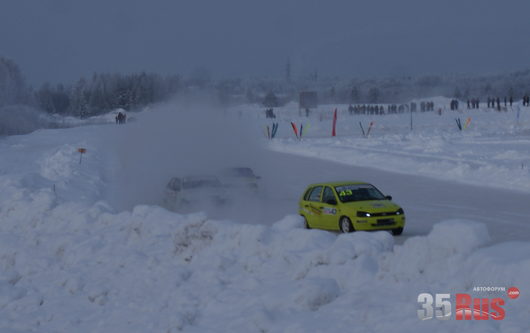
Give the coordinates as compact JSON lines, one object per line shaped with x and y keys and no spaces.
{"x":58,"y":165}
{"x":80,"y":267}
{"x":458,"y":236}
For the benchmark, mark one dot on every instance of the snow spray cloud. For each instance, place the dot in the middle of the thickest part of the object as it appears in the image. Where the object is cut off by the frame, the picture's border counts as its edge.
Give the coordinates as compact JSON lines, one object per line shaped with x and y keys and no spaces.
{"x":176,"y":140}
{"x":20,"y":119}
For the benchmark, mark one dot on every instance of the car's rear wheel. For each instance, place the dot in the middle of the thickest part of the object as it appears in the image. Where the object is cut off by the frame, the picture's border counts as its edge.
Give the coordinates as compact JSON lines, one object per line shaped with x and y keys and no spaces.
{"x":306,"y":224}
{"x":397,"y":231}
{"x":345,"y":225}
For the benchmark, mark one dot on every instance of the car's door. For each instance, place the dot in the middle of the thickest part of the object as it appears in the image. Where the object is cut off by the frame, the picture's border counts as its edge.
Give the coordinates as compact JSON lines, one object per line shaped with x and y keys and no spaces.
{"x":328,"y":208}
{"x":311,"y":206}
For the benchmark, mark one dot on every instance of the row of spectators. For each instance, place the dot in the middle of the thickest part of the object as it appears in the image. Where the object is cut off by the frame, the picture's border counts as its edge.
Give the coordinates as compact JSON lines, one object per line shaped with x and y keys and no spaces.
{"x":390,"y":108}
{"x":366,"y":109}
{"x":496,"y":102}
{"x":473,"y":103}
{"x":492,"y":102}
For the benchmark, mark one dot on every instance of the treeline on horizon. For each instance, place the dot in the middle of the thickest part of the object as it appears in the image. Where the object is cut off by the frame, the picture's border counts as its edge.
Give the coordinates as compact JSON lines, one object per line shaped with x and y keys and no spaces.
{"x":86,"y":97}
{"x":104,"y":92}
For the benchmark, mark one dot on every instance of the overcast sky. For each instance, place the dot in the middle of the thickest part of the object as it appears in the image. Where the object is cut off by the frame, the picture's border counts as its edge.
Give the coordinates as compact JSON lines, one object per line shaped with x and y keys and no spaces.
{"x":62,"y":40}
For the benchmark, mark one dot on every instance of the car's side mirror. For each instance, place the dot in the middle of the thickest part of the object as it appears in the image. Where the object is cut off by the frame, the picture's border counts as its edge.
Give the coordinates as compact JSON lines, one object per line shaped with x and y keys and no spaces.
{"x":331,"y":202}
{"x":388,"y":197}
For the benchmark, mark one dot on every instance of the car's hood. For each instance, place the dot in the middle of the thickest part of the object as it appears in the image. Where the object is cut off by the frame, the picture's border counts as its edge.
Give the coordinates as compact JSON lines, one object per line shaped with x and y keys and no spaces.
{"x":374,"y":206}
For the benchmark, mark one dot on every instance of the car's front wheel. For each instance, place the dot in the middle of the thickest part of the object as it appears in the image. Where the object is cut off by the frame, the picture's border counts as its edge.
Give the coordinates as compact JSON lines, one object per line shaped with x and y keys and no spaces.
{"x":397,"y":231}
{"x":345,"y":225}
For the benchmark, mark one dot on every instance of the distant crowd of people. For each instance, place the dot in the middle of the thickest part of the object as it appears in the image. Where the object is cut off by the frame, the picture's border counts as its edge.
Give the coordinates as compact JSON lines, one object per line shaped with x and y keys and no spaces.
{"x":492,"y":102}
{"x":269,"y":113}
{"x":121,"y":118}
{"x":424,"y":106}
{"x":495,"y":102}
{"x":453,"y":105}
{"x":366,"y":109}
{"x":390,"y":108}
{"x":473,"y":103}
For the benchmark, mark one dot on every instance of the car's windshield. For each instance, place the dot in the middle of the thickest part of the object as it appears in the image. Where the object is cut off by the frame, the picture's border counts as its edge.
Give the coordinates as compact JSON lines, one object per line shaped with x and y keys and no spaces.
{"x":197,"y":183}
{"x":358,"y":192}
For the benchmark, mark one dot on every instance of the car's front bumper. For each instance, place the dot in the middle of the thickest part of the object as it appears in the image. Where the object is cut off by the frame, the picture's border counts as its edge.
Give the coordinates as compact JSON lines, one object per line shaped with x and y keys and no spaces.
{"x":379,"y":223}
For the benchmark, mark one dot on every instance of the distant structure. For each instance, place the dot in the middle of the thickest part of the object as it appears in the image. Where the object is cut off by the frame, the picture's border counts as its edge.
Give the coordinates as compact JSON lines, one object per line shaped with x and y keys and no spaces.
{"x":308,"y":100}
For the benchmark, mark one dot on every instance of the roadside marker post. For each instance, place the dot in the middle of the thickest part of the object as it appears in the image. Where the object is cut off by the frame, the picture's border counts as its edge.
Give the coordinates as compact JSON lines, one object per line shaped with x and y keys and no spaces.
{"x":81,"y":151}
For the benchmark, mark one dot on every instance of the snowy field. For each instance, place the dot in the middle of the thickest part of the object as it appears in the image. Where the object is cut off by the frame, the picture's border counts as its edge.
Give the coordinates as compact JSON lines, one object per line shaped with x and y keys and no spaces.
{"x":84,"y":247}
{"x":493,"y":150}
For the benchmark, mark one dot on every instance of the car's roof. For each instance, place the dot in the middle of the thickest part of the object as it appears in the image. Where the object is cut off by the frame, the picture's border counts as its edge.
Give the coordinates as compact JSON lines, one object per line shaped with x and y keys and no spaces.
{"x":239,"y":172}
{"x":237,"y":169}
{"x":339,"y":183}
{"x":199,"y":177}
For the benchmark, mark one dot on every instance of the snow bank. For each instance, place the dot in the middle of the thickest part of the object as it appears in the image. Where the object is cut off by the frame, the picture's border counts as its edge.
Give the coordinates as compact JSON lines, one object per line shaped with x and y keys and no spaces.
{"x":69,"y":267}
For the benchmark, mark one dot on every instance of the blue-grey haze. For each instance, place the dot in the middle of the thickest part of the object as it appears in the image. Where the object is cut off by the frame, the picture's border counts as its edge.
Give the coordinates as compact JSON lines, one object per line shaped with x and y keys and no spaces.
{"x":61,"y":40}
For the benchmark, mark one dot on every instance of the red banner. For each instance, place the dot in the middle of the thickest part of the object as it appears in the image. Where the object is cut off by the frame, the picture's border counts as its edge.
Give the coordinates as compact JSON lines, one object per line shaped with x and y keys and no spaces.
{"x":333,"y":131}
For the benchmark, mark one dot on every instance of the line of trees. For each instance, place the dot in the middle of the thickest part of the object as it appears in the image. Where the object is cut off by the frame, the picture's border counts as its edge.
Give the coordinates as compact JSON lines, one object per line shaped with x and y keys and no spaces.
{"x":87,"y":97}
{"x":105,"y":92}
{"x":383,"y":90}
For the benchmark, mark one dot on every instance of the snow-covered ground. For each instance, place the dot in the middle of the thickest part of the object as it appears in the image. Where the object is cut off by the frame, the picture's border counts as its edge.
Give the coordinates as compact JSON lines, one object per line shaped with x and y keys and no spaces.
{"x":72,"y":261}
{"x":493,"y":150}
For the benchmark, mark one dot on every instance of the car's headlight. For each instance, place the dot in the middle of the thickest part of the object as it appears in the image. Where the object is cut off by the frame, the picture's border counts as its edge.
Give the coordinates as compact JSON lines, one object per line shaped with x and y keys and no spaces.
{"x":400,"y":211}
{"x":363,"y":214}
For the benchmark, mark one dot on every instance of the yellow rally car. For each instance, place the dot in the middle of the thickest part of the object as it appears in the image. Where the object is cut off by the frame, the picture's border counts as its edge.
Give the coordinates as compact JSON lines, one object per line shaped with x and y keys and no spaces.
{"x":350,"y":206}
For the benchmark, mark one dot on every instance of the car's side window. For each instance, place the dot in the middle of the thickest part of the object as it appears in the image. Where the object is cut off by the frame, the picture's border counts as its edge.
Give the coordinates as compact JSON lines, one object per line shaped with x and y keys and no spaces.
{"x":307,"y":193}
{"x":328,"y":195}
{"x":315,"y":194}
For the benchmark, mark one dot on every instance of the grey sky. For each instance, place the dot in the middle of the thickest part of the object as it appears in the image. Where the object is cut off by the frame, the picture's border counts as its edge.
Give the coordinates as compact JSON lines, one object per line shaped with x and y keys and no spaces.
{"x":61,"y":40}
